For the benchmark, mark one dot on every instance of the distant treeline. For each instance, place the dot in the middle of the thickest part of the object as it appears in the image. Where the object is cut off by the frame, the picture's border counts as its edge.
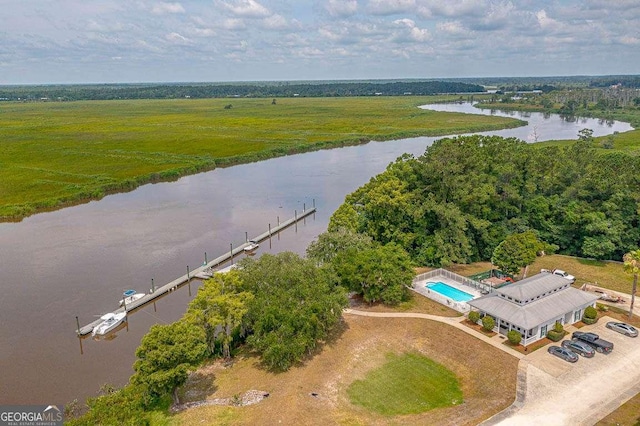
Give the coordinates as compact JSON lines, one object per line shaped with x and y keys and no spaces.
{"x":624,"y":81}
{"x":200,"y":90}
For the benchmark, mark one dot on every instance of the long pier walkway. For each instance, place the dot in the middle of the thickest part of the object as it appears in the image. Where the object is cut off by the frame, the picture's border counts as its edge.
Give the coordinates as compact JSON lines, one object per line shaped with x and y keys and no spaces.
{"x":200,"y":271}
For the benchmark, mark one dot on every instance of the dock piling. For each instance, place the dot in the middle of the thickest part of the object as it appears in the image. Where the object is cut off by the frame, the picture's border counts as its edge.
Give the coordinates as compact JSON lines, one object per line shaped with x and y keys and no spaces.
{"x":203,"y":270}
{"x":189,"y":280}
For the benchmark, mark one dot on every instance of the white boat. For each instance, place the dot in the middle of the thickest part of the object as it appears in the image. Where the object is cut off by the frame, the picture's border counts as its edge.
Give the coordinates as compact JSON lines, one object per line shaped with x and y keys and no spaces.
{"x":109,"y":322}
{"x":251,"y":246}
{"x":130,"y":296}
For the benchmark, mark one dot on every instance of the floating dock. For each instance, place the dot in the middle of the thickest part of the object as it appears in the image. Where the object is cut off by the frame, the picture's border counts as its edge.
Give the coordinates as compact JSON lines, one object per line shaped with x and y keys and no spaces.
{"x":204,"y":271}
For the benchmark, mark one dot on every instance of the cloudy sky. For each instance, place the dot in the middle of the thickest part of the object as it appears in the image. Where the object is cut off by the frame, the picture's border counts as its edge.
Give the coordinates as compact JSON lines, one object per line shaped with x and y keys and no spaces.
{"x":103,"y":41}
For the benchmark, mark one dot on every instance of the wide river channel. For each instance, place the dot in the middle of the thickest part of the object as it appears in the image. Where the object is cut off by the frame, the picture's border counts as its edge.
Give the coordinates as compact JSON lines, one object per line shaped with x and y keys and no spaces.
{"x":77,"y":261}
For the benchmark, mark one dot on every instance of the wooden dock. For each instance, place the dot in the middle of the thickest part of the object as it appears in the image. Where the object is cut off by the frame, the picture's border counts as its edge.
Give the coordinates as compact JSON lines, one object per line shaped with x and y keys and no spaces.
{"x":200,"y":272}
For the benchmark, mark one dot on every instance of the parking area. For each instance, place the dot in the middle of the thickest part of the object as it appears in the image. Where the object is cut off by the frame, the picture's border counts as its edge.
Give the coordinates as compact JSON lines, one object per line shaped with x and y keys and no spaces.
{"x":561,"y":393}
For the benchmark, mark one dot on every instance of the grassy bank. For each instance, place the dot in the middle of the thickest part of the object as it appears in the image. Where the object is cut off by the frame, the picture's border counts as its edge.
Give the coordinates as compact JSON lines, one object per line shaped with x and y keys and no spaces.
{"x":55,"y":154}
{"x":627,"y":141}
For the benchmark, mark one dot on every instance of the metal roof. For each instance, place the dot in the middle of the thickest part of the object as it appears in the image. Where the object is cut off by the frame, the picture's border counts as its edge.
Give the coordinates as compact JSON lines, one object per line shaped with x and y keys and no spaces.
{"x":536,"y":313}
{"x":534,"y":286}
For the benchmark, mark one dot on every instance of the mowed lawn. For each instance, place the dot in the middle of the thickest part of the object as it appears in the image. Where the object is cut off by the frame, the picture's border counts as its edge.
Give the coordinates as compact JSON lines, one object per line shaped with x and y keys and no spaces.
{"x":52,"y":153}
{"x":406,"y":384}
{"x":318,"y":392}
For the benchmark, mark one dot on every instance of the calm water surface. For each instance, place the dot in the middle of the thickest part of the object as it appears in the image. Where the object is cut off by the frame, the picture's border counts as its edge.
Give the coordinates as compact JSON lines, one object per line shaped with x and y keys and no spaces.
{"x":77,"y":261}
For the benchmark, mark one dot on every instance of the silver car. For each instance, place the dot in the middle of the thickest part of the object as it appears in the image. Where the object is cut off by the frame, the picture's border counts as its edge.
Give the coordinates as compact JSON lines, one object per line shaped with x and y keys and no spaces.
{"x":623,"y":328}
{"x":563,"y":353}
{"x":579,"y":347}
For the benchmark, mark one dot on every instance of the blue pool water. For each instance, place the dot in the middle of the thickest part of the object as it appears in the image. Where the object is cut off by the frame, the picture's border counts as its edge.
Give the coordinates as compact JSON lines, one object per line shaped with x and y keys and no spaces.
{"x":450,"y":292}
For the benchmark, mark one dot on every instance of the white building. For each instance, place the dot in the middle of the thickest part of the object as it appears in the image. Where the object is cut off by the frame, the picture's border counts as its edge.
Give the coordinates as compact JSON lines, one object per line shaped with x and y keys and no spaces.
{"x":532,"y":306}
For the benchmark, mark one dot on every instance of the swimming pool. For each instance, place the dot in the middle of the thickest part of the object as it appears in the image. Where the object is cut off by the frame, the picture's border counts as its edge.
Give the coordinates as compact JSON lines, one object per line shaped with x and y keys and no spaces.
{"x":450,"y":292}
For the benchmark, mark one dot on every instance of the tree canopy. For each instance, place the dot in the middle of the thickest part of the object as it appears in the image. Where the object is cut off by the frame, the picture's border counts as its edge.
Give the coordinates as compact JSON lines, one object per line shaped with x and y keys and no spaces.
{"x":517,"y":251}
{"x":165,"y":356}
{"x":220,"y":309}
{"x":296,"y":305}
{"x":457,"y":202}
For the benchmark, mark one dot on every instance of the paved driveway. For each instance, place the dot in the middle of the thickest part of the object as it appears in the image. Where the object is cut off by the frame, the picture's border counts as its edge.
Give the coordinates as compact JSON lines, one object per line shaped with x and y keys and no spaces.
{"x":556,"y":392}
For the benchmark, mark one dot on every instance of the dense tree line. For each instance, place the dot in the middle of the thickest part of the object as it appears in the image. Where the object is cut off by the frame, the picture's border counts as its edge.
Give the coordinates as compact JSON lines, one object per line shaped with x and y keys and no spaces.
{"x":170,"y":91}
{"x":465,"y":195}
{"x":629,"y":81}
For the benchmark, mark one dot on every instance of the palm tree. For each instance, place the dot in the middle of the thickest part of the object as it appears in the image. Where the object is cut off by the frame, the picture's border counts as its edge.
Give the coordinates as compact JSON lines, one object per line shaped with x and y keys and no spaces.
{"x":632,"y":266}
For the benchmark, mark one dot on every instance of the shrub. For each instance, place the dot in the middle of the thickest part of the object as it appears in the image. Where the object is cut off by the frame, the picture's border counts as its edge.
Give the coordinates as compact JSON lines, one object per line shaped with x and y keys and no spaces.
{"x":589,"y":321}
{"x":557,"y":333}
{"x":474,"y":316}
{"x":514,"y":337}
{"x":558,"y":328}
{"x":590,"y":313}
{"x":488,"y":323}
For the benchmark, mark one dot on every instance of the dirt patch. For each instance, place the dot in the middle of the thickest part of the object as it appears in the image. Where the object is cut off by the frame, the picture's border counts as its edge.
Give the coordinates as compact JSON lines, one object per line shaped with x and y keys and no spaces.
{"x":315,"y":393}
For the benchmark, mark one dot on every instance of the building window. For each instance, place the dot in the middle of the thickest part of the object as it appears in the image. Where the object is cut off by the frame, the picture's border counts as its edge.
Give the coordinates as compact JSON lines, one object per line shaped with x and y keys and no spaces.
{"x":577,"y":314}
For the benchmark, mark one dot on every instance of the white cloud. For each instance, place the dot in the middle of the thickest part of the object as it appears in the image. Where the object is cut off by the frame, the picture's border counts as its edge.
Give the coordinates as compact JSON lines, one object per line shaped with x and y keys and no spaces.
{"x":390,"y":7}
{"x":415,"y":33}
{"x":342,"y":8}
{"x":545,"y":22}
{"x":453,"y":28}
{"x":176,"y":38}
{"x":165,"y":8}
{"x":246,"y":8}
{"x":275,"y":22}
{"x":629,"y":40}
{"x":75,"y":38}
{"x":233,"y":24}
{"x":453,"y":9}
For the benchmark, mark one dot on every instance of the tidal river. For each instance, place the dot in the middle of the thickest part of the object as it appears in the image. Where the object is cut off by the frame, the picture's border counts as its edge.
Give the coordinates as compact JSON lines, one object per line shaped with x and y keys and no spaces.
{"x":79,"y":260}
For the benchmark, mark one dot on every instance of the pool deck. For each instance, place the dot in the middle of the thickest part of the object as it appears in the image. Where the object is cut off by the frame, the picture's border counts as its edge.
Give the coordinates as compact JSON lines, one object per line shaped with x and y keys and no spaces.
{"x":421,"y":287}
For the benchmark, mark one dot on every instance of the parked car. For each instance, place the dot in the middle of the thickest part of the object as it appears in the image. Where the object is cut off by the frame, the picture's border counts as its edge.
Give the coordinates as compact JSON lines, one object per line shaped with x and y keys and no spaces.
{"x":560,"y":272}
{"x":579,"y":347}
{"x":624,"y":328}
{"x":593,"y":340}
{"x":563,"y":353}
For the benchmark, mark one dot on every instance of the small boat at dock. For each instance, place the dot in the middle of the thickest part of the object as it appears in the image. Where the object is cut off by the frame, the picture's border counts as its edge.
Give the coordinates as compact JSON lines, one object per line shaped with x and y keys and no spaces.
{"x":130,"y":296}
{"x":251,"y":246}
{"x":109,"y":322}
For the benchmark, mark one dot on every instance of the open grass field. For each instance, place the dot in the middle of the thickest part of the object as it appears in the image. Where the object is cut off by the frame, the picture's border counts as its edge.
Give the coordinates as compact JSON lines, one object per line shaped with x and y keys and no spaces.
{"x":406,"y":384}
{"x":486,"y":375}
{"x":53,"y":154}
{"x":609,"y":275}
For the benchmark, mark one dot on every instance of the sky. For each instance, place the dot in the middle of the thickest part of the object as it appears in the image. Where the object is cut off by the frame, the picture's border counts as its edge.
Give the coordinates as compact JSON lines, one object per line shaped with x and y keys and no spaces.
{"x":120,"y":41}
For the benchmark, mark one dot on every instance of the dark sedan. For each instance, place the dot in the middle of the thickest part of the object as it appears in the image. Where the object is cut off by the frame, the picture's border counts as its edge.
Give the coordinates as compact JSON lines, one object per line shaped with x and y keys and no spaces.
{"x":563,"y":353}
{"x":624,"y":328}
{"x":579,"y":347}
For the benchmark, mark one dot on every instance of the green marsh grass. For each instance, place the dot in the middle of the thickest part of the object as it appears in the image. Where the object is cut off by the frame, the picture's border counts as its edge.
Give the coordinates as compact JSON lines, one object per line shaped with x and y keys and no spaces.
{"x":406,"y":384}
{"x":54,"y":154}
